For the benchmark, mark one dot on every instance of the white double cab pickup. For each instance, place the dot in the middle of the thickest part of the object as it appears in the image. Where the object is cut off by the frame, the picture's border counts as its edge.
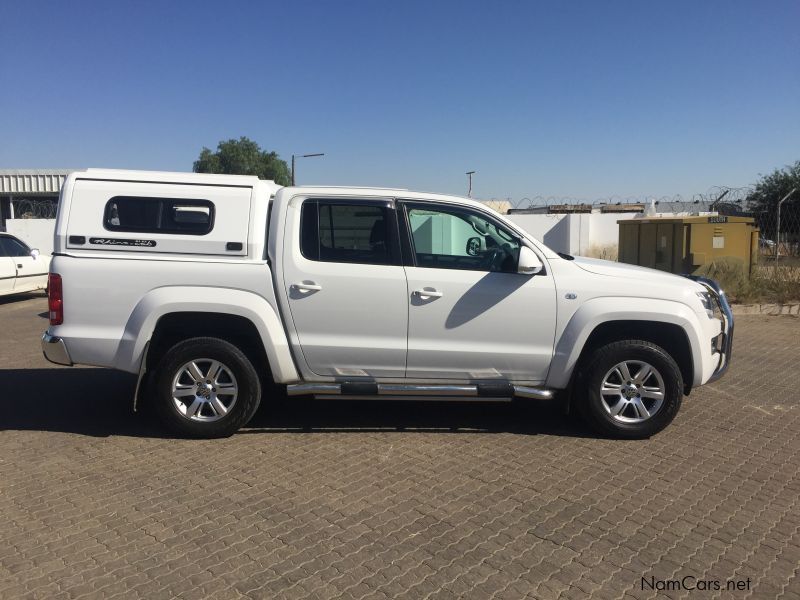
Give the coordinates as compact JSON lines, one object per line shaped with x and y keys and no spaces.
{"x":213,"y":288}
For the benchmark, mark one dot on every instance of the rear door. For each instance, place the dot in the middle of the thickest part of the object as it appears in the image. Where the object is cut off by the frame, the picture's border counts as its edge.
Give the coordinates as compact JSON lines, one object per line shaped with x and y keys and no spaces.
{"x":346,"y":286}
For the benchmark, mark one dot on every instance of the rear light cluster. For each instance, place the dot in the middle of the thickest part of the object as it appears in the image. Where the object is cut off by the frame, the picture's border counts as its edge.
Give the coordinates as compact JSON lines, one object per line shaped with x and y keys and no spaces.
{"x":55,"y":299}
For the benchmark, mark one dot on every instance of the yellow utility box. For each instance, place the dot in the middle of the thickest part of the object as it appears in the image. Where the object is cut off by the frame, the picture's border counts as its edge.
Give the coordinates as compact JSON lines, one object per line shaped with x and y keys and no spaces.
{"x":684,"y":244}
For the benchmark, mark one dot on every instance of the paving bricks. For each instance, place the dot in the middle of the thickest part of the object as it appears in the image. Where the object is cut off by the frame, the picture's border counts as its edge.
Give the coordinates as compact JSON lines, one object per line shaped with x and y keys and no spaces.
{"x":388,"y":500}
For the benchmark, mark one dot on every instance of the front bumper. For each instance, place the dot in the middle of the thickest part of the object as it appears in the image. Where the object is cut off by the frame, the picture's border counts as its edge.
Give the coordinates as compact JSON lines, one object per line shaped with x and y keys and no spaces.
{"x":724,"y":344}
{"x":55,"y":350}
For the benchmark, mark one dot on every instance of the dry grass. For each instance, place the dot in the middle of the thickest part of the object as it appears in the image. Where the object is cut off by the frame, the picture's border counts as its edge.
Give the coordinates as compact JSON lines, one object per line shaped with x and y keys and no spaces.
{"x":606,"y":252}
{"x":765,"y":284}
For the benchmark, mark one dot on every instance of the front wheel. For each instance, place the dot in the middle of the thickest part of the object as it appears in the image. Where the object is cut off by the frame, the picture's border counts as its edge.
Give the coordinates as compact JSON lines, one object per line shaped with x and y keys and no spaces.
{"x":630,"y":389}
{"x":206,"y":388}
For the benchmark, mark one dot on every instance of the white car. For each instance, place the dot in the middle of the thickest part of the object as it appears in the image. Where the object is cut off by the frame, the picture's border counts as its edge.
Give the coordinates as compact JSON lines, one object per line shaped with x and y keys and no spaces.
{"x":22,"y":269}
{"x":213,"y":287}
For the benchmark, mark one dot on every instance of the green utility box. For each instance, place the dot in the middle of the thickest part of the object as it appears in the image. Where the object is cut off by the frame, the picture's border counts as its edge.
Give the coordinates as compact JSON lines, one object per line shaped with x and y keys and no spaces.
{"x":684,"y":244}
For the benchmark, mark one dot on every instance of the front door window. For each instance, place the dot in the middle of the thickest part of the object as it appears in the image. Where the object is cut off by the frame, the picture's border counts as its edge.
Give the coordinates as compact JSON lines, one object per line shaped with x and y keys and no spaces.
{"x":456,"y":238}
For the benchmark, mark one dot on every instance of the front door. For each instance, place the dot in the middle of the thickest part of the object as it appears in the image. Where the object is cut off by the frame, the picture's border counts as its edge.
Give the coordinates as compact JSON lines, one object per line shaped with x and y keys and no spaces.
{"x":471,"y":315}
{"x":346,"y":286}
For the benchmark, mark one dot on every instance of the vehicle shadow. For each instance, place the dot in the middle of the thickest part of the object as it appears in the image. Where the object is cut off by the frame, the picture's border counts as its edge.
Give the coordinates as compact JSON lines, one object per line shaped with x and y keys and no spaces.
{"x":98,"y":402}
{"x":22,"y":297}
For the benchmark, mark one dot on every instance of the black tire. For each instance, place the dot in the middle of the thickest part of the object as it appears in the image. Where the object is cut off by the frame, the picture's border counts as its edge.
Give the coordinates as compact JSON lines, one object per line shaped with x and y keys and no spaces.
{"x":199,"y":349}
{"x":593,"y":407}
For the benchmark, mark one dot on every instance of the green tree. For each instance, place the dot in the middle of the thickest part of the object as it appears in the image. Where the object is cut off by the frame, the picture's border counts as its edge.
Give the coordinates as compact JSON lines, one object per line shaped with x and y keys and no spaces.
{"x":243,"y":157}
{"x":771,"y":188}
{"x":768,"y":192}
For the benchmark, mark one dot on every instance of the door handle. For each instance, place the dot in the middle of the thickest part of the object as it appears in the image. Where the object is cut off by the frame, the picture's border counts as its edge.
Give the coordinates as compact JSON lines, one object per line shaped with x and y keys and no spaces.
{"x":19,"y":266}
{"x":307,"y":287}
{"x":427,"y":293}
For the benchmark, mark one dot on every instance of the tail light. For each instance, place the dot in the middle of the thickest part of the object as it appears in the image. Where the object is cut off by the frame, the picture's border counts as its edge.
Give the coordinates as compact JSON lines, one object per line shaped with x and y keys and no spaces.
{"x":55,"y":299}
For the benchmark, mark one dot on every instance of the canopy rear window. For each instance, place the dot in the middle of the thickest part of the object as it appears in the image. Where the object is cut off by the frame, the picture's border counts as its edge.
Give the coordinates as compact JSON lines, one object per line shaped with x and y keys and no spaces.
{"x":141,"y":214}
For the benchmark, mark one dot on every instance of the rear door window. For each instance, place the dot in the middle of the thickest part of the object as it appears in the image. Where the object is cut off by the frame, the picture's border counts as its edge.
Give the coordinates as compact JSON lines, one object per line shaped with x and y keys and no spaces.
{"x":363,"y":233}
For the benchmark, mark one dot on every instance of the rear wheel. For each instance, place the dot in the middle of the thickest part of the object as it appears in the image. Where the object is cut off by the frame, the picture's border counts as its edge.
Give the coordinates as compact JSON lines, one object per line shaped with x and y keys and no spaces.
{"x":630,"y":389}
{"x":206,"y":388}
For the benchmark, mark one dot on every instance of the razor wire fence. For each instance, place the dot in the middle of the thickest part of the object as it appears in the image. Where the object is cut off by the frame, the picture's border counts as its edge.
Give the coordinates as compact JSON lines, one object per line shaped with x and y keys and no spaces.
{"x":712,"y":200}
{"x":35,"y":208}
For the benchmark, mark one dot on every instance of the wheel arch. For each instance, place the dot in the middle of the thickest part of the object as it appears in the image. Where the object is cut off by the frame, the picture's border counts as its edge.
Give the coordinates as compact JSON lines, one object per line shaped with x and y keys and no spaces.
{"x":169,"y":314}
{"x":668,"y":324}
{"x":174,"y":327}
{"x":669,"y":336}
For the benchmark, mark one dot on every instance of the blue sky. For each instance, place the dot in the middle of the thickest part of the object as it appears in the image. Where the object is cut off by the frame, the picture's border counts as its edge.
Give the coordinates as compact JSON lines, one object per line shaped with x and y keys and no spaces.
{"x":562,"y":98}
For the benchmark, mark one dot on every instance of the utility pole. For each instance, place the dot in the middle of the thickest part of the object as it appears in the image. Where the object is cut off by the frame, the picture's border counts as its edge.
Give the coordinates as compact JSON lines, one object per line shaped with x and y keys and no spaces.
{"x":302,"y":156}
{"x":469,"y":191}
{"x":778,"y":228}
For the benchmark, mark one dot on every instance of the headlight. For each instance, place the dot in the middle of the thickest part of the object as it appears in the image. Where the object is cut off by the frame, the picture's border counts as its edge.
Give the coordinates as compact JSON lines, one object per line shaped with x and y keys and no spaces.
{"x":708,"y":303}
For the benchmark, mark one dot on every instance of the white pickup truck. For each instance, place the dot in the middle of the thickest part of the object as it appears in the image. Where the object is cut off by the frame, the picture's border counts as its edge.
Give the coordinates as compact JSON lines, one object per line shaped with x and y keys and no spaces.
{"x":212,"y":288}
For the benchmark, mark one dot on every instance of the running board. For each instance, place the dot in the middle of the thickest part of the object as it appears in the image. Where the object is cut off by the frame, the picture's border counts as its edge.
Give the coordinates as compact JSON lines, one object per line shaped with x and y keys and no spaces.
{"x":365,"y":388}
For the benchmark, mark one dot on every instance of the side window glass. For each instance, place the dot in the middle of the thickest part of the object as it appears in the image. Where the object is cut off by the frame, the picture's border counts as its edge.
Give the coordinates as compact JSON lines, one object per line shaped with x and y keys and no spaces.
{"x":159,"y":215}
{"x":12,"y":247}
{"x":309,"y":230}
{"x":349,"y":233}
{"x":456,"y":238}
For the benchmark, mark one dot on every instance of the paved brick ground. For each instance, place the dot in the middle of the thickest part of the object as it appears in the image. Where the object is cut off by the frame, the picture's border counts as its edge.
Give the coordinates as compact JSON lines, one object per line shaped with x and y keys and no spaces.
{"x":357,"y":500}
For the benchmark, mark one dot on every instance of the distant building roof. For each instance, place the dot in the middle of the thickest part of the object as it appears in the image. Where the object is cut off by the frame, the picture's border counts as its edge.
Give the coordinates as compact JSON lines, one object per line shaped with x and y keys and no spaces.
{"x":32,"y":181}
{"x":501,"y":206}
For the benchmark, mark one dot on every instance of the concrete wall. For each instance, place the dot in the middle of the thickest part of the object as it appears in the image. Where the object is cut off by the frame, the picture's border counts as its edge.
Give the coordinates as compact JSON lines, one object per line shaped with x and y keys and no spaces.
{"x":552,"y":230}
{"x":37,"y":233}
{"x":573,"y":233}
{"x":604,"y":229}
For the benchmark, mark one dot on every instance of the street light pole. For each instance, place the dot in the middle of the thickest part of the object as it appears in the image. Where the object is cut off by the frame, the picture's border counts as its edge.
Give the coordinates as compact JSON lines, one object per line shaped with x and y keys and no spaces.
{"x":469,"y":191}
{"x":302,"y":156}
{"x":778,"y":228}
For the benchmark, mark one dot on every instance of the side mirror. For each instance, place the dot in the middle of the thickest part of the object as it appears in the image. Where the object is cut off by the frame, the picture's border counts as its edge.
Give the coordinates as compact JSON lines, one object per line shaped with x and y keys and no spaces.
{"x":473,"y":246}
{"x":35,"y":253}
{"x":529,"y":263}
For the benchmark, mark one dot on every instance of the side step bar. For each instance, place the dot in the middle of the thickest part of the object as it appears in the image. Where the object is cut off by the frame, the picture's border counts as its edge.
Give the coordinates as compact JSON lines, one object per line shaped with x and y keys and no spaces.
{"x":359,"y":388}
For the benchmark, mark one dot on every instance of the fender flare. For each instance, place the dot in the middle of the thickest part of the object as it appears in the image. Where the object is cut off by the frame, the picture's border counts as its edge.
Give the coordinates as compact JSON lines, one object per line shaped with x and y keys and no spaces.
{"x":597,"y":311}
{"x":172,"y":299}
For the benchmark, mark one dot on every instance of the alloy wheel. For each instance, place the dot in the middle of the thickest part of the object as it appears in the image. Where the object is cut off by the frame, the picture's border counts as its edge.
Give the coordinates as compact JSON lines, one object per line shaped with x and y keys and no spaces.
{"x":632,"y":391}
{"x":204,"y":390}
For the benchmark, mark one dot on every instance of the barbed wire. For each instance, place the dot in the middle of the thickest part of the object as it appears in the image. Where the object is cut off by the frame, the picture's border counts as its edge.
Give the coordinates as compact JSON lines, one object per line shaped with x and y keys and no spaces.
{"x":35,"y":208}
{"x":713,"y":197}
